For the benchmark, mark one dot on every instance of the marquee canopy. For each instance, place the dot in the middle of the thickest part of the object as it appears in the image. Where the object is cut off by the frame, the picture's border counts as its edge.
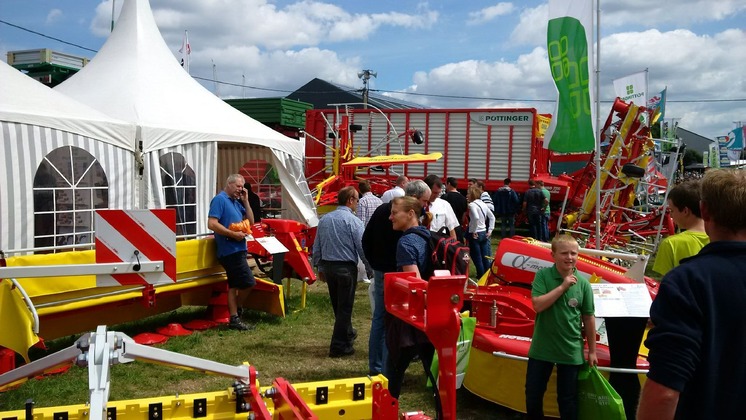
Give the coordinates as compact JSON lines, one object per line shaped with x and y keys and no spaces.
{"x":26,"y":101}
{"x":136,"y":77}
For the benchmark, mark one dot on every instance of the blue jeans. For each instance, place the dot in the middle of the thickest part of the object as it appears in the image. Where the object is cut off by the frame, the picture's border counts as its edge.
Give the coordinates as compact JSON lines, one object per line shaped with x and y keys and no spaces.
{"x":480,"y":250}
{"x":377,"y":351}
{"x":508,"y":223}
{"x":545,"y":227}
{"x":537,"y":377}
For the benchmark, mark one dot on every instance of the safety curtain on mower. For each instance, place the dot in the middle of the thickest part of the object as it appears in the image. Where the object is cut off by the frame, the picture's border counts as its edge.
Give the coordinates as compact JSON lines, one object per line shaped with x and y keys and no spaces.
{"x":13,"y":311}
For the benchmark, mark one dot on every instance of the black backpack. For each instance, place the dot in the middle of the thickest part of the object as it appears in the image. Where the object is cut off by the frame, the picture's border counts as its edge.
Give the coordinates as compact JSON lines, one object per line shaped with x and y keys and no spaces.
{"x":446,"y":253}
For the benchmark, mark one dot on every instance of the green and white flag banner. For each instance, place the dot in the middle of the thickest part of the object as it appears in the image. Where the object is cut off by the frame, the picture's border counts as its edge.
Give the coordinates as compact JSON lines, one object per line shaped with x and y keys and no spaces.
{"x":633,"y":88}
{"x":570,"y":51}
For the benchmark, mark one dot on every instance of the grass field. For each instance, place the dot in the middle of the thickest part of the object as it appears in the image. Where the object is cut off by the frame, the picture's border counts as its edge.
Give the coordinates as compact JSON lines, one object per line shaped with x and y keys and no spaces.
{"x":294,"y":348}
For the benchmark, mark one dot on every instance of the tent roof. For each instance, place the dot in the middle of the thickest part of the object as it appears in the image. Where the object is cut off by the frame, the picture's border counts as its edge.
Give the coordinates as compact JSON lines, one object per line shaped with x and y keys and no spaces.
{"x":24,"y":100}
{"x":136,"y":77}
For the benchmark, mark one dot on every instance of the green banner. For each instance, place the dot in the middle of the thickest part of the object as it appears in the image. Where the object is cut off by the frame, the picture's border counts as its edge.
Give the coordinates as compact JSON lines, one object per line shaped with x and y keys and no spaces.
{"x":568,"y":59}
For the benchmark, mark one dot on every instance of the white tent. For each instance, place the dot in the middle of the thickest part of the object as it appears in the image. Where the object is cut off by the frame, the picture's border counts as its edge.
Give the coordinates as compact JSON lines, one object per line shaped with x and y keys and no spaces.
{"x":36,"y":121}
{"x":135,"y":77}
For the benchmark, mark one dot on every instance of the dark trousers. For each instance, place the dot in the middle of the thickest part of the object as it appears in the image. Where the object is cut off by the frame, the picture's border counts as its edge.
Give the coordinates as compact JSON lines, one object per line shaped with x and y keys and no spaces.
{"x":537,"y":377}
{"x":399,"y":361}
{"x":459,"y":233}
{"x":545,"y":227}
{"x":535,"y":226}
{"x":625,"y":335}
{"x":507,"y":225}
{"x":342,"y":281}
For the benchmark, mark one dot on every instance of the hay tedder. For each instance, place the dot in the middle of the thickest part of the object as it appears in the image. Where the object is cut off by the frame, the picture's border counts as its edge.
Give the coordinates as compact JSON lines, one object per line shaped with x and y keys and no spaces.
{"x":632,"y":210}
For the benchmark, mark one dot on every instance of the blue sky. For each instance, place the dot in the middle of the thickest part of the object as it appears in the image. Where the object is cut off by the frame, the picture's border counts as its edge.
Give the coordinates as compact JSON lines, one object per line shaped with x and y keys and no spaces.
{"x":482,"y":49}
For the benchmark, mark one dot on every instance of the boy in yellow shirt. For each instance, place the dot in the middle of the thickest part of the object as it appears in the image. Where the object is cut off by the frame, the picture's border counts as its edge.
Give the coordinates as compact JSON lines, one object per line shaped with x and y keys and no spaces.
{"x":683,"y":200}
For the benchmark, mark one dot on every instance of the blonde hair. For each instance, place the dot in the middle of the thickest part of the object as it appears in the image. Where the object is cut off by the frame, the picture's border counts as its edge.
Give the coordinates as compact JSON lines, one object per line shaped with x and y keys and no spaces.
{"x":565,"y":239}
{"x":408,"y":203}
{"x":473,"y":193}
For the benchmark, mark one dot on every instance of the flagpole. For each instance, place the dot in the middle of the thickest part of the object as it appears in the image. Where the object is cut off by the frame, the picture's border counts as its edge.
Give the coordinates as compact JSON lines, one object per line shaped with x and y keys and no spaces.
{"x":187,"y":50}
{"x":597,"y":155}
{"x":113,"y":5}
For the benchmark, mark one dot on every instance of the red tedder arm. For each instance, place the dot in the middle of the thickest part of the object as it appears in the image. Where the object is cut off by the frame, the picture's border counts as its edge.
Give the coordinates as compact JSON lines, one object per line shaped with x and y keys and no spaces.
{"x":432,"y":307}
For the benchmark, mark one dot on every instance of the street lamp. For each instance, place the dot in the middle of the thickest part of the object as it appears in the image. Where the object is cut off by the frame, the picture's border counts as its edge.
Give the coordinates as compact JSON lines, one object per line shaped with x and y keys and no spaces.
{"x":365,"y":75}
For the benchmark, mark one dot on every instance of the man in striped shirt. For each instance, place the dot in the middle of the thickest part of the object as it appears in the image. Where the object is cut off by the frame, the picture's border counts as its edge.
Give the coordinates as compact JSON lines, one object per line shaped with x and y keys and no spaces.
{"x":368,"y":202}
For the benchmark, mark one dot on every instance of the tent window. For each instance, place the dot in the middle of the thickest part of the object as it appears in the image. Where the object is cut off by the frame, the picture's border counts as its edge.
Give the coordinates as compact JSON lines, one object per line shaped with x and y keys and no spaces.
{"x":266,"y":184}
{"x":68,"y":186}
{"x":180,"y":189}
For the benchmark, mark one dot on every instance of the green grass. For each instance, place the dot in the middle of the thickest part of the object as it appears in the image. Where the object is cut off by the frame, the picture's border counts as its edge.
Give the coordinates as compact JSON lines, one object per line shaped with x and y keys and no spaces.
{"x":294,"y":348}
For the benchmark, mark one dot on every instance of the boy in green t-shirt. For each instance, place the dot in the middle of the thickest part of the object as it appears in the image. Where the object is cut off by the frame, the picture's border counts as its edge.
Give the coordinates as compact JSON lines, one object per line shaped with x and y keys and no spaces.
{"x":563,"y":301}
{"x":683,"y":200}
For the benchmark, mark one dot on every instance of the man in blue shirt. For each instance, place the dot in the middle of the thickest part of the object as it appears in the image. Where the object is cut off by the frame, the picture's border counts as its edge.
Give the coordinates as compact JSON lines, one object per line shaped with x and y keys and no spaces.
{"x":697,"y":362}
{"x":336,"y":250}
{"x":228,"y":207}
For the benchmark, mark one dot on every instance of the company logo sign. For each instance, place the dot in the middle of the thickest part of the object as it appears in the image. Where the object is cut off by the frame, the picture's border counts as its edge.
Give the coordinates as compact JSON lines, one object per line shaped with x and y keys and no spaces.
{"x":503,"y":118}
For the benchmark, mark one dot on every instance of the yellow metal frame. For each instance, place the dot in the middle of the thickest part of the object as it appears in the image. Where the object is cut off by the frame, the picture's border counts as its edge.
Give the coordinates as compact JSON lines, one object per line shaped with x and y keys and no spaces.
{"x":341,"y":403}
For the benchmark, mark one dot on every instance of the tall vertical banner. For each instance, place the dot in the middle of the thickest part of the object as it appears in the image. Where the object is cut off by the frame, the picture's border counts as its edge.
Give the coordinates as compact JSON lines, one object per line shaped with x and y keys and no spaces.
{"x":723,"y":151}
{"x":735,"y":143}
{"x":570,"y":51}
{"x":633,"y":88}
{"x":657,"y":103}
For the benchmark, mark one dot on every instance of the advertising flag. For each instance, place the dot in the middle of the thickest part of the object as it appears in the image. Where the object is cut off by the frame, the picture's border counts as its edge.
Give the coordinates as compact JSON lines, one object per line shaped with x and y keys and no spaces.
{"x":723,"y":149}
{"x":570,"y":51}
{"x":633,"y":88}
{"x":185,"y":50}
{"x":735,"y":139}
{"x":657,"y":106}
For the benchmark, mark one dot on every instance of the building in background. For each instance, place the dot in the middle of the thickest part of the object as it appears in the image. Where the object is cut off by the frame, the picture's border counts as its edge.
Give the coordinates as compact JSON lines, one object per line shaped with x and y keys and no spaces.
{"x":47,"y":66}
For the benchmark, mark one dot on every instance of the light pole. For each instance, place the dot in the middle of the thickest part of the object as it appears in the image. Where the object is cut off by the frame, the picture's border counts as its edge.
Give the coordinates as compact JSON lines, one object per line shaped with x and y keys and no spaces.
{"x":365,"y":75}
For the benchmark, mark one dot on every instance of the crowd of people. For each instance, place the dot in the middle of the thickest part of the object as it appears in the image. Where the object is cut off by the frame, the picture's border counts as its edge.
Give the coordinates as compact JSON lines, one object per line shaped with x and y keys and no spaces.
{"x":697,"y":363}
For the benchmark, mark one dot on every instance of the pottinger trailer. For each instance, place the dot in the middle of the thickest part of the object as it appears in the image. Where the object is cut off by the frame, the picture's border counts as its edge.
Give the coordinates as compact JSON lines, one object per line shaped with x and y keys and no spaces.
{"x":487,"y":144}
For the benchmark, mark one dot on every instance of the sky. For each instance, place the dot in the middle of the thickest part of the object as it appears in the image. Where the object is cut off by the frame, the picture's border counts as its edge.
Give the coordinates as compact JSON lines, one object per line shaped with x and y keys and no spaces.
{"x":440,"y":54}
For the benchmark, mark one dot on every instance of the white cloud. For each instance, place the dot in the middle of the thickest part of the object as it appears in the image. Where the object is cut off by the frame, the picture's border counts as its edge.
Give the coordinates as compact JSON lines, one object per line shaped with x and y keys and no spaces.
{"x":532,"y":26}
{"x":283,"y":47}
{"x":490,"y":13}
{"x":53,"y":16}
{"x":685,"y":12}
{"x":101,"y":22}
{"x":281,"y":70}
{"x":257,"y":22}
{"x":691,"y":66}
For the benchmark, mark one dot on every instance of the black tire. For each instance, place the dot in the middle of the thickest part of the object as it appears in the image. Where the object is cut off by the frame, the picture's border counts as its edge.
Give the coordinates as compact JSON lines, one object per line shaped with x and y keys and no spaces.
{"x":633,"y":171}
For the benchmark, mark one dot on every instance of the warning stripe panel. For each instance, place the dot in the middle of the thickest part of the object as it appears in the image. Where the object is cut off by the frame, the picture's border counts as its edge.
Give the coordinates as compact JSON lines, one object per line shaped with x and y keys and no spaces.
{"x":127,"y":279}
{"x":160,"y":225}
{"x":123,"y":232}
{"x":141,"y":239}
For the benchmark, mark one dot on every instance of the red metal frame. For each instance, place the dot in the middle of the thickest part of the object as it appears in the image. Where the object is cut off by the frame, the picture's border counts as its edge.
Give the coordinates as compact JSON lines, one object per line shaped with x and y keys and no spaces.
{"x":432,"y":307}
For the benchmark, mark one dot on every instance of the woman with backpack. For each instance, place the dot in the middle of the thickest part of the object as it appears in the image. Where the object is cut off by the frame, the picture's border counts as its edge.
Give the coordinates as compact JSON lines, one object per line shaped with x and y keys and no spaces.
{"x":481,"y":224}
{"x":413,"y":253}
